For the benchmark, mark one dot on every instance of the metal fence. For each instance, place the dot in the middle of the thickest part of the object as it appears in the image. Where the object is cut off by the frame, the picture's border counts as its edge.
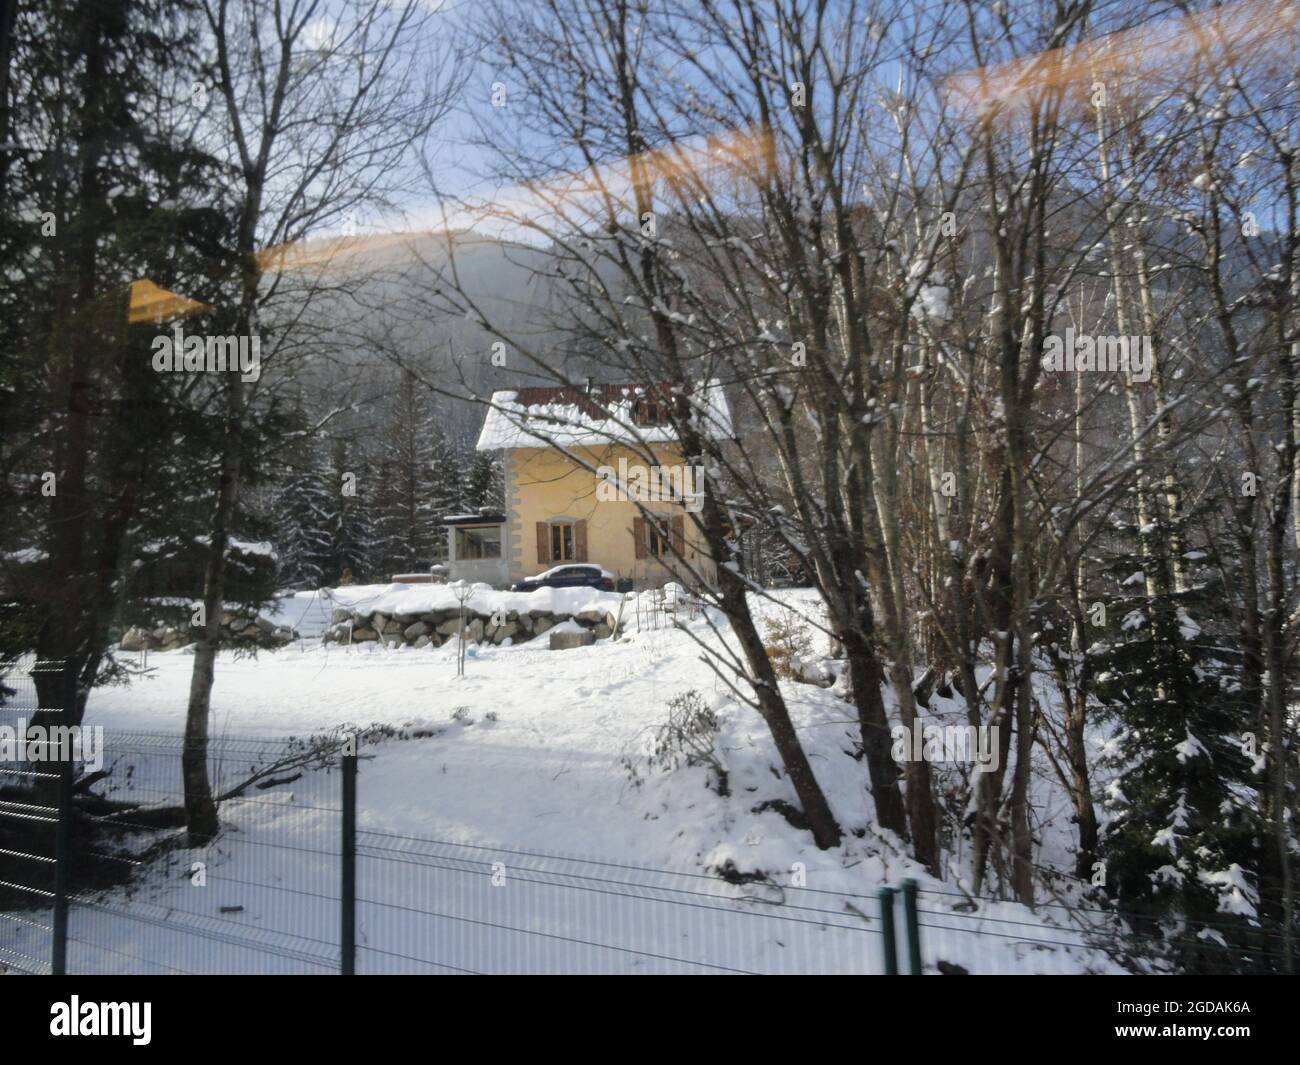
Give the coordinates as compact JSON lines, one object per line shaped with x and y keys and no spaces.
{"x":34,"y":844}
{"x":505,"y":910}
{"x":303,"y":878}
{"x":298,"y":881}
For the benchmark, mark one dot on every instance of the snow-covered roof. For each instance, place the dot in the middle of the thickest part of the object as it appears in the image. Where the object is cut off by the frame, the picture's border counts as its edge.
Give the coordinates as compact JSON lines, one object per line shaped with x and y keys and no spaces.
{"x":603,"y":414}
{"x":482,"y":517}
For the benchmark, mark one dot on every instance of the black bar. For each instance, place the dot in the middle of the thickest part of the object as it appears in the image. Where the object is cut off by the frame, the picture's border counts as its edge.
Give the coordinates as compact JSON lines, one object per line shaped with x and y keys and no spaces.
{"x":348,"y":896}
{"x":282,"y":1008}
{"x":63,"y":828}
{"x":913,"y":928}
{"x":887,"y":927}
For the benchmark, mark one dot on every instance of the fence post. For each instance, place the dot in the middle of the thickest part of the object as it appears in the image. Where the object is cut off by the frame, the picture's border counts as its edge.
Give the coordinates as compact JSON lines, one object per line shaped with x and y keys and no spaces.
{"x":913,"y":928}
{"x":348,"y":895}
{"x":887,"y":928}
{"x":63,"y":825}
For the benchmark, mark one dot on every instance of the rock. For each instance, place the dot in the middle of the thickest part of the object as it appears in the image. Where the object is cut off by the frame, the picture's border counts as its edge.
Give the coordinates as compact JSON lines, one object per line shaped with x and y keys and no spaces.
{"x":265,"y":624}
{"x":591,"y":616}
{"x":362,"y":634}
{"x":393,"y":628}
{"x":135,"y":639}
{"x":541,"y":624}
{"x":601,"y":631}
{"x":378,"y":621}
{"x":504,"y":632}
{"x":419,"y":628}
{"x":392,"y":640}
{"x":421,"y":641}
{"x":563,"y":641}
{"x":474,"y":627}
{"x":339,"y":615}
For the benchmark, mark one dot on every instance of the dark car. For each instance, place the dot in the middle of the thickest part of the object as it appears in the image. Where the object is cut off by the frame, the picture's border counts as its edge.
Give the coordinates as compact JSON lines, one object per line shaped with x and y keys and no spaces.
{"x":577,"y":576}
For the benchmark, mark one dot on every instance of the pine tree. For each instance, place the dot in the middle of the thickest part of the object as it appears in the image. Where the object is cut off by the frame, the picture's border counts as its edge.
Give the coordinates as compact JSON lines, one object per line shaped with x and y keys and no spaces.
{"x":446,"y":489}
{"x":99,"y":180}
{"x":1181,"y":850}
{"x":484,"y":480}
{"x":410,"y":488}
{"x":302,"y":516}
{"x":347,"y":521}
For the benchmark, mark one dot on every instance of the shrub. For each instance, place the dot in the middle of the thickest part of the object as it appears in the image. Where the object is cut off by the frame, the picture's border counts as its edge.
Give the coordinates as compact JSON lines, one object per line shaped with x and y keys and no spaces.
{"x":687,"y":738}
{"x":788,"y":644}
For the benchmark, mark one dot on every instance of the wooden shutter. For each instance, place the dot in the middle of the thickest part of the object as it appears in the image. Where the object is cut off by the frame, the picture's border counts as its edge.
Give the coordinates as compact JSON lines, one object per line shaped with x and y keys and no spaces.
{"x":580,"y":540}
{"x":679,"y":535}
{"x":638,"y":534}
{"x":543,"y":542}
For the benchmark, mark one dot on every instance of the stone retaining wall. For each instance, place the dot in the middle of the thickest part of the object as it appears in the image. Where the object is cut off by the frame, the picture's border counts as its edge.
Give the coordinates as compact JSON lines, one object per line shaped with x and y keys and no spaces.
{"x":437,"y":627}
{"x":236,"y":629}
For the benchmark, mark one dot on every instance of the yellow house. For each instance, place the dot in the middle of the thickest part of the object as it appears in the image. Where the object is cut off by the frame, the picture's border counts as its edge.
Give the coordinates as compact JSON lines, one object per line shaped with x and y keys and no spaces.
{"x":592,"y":475}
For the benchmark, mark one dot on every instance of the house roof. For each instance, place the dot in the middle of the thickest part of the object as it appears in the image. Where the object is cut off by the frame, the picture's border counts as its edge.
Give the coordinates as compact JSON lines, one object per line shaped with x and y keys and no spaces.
{"x":572,"y":416}
{"x":483,"y":517}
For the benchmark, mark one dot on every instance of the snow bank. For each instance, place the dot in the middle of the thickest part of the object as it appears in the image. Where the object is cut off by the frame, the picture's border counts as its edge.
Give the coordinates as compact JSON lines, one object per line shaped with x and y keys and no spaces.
{"x":534,"y":753}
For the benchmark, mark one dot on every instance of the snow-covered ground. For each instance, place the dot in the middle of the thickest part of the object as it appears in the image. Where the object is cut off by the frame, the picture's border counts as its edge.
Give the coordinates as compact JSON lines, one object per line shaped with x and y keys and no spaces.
{"x":516,"y":822}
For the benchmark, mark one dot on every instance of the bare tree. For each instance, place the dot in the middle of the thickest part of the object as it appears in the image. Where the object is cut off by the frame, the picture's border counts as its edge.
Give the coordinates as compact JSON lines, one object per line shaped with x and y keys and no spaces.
{"x":321,"y":106}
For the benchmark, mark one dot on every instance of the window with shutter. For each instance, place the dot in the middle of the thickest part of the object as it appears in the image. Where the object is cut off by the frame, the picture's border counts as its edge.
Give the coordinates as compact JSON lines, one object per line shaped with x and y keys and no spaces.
{"x":580,"y":540}
{"x":543,"y":543}
{"x":650,"y":412}
{"x":562,"y":542}
{"x":679,"y":535}
{"x":639,"y":536}
{"x":656,"y":537}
